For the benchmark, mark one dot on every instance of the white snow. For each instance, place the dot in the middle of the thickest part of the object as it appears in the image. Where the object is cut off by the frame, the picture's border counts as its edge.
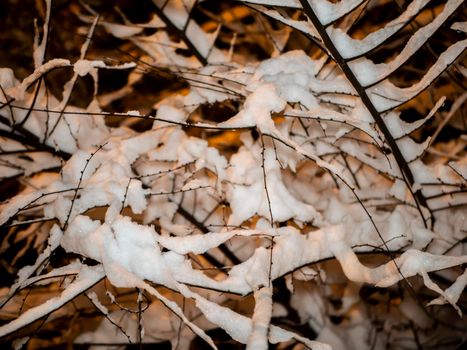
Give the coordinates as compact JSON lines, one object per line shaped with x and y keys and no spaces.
{"x":120,"y":30}
{"x":258,"y":339}
{"x":412,"y":150}
{"x":7,"y":80}
{"x":248,"y":195}
{"x":27,"y":271}
{"x":460,"y":168}
{"x":201,"y":243}
{"x":239,"y":327}
{"x":87,"y":277}
{"x":302,"y":26}
{"x":40,"y":48}
{"x":453,"y":293}
{"x":257,"y":109}
{"x":369,"y":73}
{"x":328,"y":12}
{"x":284,"y":3}
{"x":14,"y":205}
{"x":176,"y":11}
{"x":350,"y":48}
{"x":460,"y":26}
{"x":202,"y":42}
{"x":18,"y":91}
{"x":399,"y":128}
{"x":386,"y":95}
{"x":83,"y":67}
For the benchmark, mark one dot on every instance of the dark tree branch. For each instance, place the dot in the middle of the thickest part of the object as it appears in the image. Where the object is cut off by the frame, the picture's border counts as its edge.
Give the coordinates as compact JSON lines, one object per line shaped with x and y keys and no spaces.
{"x":401,"y":162}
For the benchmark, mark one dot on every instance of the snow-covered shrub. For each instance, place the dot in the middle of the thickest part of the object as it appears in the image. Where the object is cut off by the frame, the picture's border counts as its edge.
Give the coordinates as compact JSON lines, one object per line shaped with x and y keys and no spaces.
{"x":300,"y":180}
